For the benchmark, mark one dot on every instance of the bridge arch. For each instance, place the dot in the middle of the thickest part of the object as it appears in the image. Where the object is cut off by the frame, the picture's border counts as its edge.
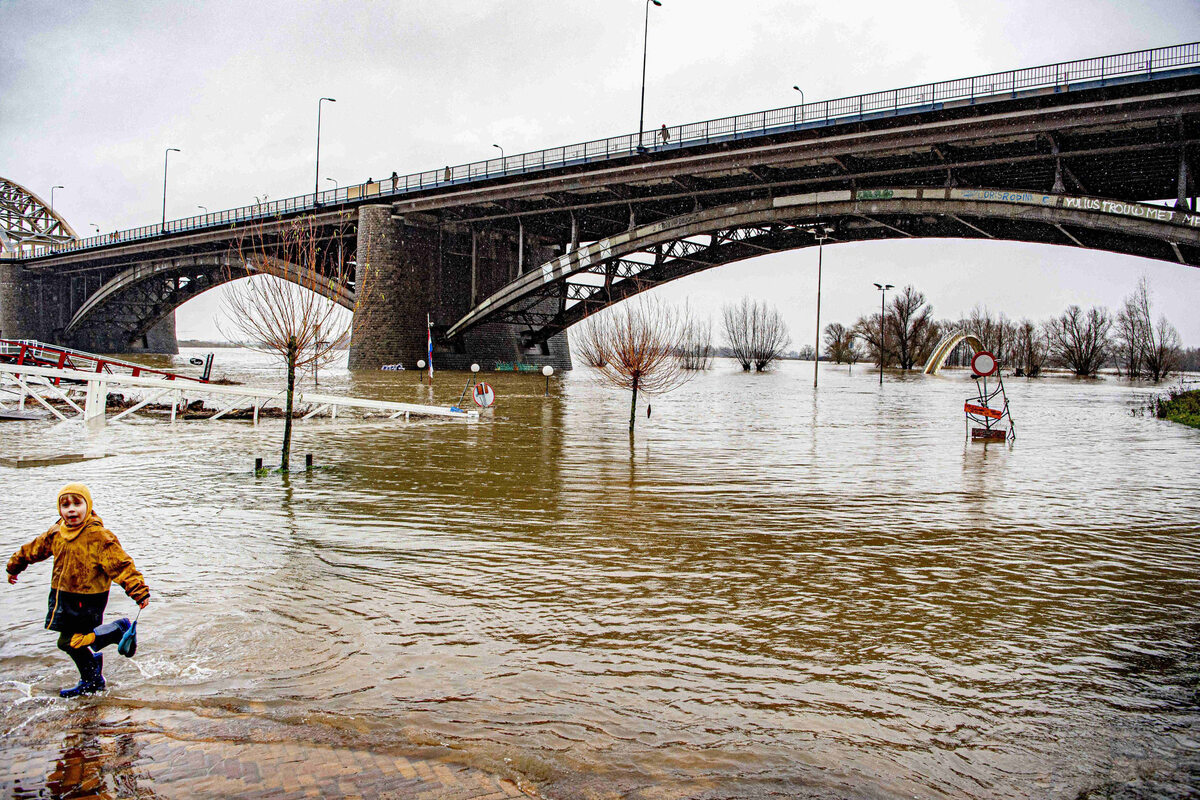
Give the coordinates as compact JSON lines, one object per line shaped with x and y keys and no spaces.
{"x":946,"y":346}
{"x":26,"y":221}
{"x":550,"y":298}
{"x":135,"y":300}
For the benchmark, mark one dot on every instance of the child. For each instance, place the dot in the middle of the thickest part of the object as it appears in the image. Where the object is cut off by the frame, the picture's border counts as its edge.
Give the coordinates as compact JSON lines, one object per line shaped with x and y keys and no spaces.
{"x":87,"y":559}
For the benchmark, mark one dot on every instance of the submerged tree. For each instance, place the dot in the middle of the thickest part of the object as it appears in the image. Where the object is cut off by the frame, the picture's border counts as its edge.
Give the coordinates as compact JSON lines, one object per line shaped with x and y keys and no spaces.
{"x":285,"y":306}
{"x":838,"y":341}
{"x":697,"y":352}
{"x":1143,"y":348}
{"x":755,"y":332}
{"x":1081,"y":341}
{"x":1029,"y":352}
{"x":911,"y":331}
{"x":638,"y":342}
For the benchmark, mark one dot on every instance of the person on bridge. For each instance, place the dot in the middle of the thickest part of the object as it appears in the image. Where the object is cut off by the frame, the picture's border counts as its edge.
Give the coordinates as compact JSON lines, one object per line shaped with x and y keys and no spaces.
{"x":665,"y":134}
{"x":87,"y":560}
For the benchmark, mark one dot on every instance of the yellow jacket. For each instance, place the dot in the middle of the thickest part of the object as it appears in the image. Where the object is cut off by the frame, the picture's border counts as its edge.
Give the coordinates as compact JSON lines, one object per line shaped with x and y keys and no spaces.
{"x":86,"y":561}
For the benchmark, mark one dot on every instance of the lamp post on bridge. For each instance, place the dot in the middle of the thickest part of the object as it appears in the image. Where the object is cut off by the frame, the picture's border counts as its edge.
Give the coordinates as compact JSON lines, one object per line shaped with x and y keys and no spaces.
{"x":642,"y":107}
{"x":503,"y":161}
{"x":882,"y":287}
{"x":204,"y":209}
{"x":821,"y":232}
{"x":335,"y":184}
{"x":317,"y":177}
{"x":52,"y":188}
{"x":166,"y":155}
{"x":801,"y":91}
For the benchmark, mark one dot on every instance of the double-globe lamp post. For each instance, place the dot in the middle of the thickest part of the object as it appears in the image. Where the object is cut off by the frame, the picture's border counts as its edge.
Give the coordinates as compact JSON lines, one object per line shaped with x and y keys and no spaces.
{"x":317,"y":177}
{"x":642,"y":107}
{"x":166,"y":155}
{"x":882,"y":287}
{"x":821,"y":232}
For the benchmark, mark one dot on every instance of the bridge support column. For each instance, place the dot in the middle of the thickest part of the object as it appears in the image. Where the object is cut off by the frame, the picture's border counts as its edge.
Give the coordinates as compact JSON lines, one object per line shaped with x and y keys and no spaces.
{"x":411,"y":267}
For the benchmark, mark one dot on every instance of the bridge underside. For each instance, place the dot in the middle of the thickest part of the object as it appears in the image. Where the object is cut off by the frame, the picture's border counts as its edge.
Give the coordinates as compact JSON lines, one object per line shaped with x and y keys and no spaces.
{"x":562,"y":291}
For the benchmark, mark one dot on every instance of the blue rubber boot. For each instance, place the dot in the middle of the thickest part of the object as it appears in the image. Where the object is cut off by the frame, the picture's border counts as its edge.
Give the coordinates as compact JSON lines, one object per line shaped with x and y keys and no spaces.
{"x":92,"y":679}
{"x":110,"y":633}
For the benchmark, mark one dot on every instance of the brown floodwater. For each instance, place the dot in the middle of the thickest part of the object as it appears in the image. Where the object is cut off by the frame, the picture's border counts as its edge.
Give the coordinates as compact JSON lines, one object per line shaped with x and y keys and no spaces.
{"x":768,"y":591}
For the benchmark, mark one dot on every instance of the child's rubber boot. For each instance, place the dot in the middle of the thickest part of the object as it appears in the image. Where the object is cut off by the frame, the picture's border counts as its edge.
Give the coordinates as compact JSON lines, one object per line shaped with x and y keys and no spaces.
{"x":92,"y":678}
{"x":103,"y":636}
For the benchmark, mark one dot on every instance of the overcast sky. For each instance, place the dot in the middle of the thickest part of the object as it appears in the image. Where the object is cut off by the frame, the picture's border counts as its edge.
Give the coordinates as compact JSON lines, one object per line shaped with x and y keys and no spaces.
{"x":91,"y":94}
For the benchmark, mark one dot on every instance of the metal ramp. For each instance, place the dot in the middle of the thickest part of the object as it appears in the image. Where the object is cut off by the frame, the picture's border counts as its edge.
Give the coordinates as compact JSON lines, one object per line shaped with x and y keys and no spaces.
{"x":70,"y":394}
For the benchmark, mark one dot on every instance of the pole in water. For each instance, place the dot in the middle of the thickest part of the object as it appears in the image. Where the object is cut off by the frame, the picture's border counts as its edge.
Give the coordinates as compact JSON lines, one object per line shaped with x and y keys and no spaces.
{"x":258,"y":465}
{"x":308,"y":461}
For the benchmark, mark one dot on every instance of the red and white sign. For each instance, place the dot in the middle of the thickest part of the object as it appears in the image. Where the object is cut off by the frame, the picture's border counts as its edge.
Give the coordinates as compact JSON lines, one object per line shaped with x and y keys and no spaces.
{"x":984,"y":363}
{"x":483,"y":395}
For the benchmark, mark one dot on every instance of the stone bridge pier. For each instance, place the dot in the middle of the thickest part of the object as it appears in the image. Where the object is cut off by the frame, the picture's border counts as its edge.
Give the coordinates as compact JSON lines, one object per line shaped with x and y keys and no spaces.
{"x":413,"y":265}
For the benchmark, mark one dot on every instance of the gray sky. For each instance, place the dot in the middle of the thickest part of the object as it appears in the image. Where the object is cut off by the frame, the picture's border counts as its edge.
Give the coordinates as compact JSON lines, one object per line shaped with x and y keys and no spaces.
{"x":91,"y":93}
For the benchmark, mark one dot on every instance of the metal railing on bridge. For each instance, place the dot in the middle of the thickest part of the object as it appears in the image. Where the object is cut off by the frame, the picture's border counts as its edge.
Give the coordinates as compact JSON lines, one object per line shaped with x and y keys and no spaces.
{"x":1064,"y":76}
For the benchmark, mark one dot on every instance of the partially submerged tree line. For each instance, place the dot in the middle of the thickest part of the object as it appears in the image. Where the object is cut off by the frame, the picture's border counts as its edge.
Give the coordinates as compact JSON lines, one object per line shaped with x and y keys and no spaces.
{"x":755,"y":332}
{"x":284,"y":306}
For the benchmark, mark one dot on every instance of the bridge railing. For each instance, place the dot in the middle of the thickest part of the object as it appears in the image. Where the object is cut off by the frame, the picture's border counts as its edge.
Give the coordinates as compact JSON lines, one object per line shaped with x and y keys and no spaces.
{"x":1065,"y":76}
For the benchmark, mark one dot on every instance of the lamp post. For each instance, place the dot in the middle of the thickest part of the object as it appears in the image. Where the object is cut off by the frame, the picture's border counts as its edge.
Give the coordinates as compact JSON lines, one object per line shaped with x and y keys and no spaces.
{"x":882,"y":287}
{"x":203,"y":208}
{"x":166,"y":155}
{"x":52,"y":188}
{"x":317,"y":177}
{"x":97,"y":227}
{"x":501,"y":149}
{"x":801,"y":91}
{"x":547,"y":371}
{"x":642,"y":107}
{"x":821,"y":232}
{"x":335,"y":183}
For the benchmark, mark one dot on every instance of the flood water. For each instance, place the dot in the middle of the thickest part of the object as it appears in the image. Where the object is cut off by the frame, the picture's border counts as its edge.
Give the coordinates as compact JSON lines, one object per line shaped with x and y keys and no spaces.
{"x":768,"y":592}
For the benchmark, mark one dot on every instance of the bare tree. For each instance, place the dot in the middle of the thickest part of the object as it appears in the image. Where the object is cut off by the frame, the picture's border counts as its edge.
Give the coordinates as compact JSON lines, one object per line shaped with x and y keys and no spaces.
{"x":755,"y":332}
{"x":911,"y":331}
{"x":584,"y":344}
{"x":1029,"y":352}
{"x":997,"y":333}
{"x":1129,"y":343}
{"x":284,"y":307}
{"x":697,"y":353}
{"x":868,"y":331}
{"x":1143,"y":347}
{"x":838,"y":341}
{"x":1081,"y":341}
{"x":639,"y":342}
{"x":1163,"y":352}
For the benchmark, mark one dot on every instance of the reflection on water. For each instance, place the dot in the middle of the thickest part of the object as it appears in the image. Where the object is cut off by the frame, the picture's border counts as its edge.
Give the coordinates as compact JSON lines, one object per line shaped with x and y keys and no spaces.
{"x":767,"y":592}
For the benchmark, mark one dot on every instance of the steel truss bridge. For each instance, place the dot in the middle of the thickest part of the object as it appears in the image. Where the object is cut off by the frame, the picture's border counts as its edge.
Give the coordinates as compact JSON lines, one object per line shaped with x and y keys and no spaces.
{"x":1094,"y":154}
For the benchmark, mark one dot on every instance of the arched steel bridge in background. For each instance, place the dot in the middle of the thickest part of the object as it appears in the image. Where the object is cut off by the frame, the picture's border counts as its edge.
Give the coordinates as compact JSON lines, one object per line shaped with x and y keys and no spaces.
{"x":946,"y":346}
{"x":27,"y":222}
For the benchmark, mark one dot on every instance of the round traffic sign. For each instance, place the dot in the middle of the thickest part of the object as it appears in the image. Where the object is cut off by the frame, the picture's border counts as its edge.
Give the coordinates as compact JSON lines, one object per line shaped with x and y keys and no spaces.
{"x":984,"y":363}
{"x":483,"y":395}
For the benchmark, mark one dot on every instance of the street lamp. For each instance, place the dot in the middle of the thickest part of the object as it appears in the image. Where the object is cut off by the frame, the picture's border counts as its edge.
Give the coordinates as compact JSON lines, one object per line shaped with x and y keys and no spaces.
{"x":97,"y":227}
{"x":882,"y":287}
{"x":821,"y":232}
{"x":501,"y":149}
{"x":203,"y":208}
{"x":547,"y":371}
{"x":166,"y":155}
{"x":335,"y":183}
{"x":642,"y":108}
{"x":52,"y":188}
{"x":317,"y":177}
{"x":801,"y":91}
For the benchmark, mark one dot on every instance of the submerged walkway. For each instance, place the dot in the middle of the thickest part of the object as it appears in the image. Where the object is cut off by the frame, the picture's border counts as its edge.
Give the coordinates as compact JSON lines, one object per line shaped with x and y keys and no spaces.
{"x":95,"y":752}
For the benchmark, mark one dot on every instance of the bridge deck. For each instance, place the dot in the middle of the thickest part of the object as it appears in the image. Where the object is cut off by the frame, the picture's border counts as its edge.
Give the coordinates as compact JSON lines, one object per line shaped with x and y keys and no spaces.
{"x":1061,"y":78}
